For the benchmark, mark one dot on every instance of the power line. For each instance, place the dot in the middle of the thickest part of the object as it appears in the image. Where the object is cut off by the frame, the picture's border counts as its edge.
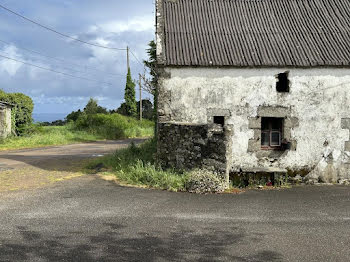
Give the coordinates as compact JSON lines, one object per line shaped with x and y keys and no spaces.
{"x":59,"y":33}
{"x":59,"y":59}
{"x":138,"y":60}
{"x":66,"y":68}
{"x":54,"y":71}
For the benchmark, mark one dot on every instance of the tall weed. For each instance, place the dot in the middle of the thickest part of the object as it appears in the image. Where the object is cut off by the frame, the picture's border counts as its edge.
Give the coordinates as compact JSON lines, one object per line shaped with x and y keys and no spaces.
{"x":136,"y":165}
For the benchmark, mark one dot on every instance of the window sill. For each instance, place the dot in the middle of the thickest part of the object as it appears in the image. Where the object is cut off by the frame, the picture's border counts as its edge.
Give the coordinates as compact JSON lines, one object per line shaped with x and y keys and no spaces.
{"x":273,"y":149}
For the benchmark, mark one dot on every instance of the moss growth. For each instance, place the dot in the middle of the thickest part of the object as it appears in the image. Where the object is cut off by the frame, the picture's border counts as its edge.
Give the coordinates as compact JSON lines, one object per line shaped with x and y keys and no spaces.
{"x":303,"y":172}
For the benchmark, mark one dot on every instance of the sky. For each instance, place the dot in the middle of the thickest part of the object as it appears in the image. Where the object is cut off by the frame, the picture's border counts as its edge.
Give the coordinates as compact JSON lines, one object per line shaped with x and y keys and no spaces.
{"x":112,"y":23}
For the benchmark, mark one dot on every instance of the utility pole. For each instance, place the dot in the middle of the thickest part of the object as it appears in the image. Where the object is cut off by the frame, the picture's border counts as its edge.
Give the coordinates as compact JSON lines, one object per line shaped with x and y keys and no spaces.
{"x":127,"y":58}
{"x":140,"y":85}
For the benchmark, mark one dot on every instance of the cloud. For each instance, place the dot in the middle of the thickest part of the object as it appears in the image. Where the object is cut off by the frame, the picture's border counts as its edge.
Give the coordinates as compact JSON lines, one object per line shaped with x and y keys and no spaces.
{"x":135,"y":24}
{"x":107,"y":24}
{"x":9,"y":66}
{"x":12,"y":67}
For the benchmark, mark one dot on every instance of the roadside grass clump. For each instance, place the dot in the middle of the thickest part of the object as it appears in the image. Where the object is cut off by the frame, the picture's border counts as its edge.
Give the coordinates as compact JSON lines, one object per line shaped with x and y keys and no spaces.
{"x":40,"y":136}
{"x":136,"y":165}
{"x":149,"y":175}
{"x":114,"y":126}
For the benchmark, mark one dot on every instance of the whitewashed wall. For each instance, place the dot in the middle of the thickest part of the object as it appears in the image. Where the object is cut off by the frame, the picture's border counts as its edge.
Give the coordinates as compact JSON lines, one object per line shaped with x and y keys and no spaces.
{"x":319,"y":98}
{"x":5,"y":122}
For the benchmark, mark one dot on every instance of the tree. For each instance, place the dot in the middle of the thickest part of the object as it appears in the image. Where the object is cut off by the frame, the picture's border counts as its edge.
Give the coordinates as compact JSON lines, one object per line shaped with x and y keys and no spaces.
{"x":152,"y":84}
{"x":93,"y":108}
{"x":122,"y":110}
{"x":130,"y":96}
{"x":151,"y":63}
{"x":74,"y":116}
{"x":147,"y":109}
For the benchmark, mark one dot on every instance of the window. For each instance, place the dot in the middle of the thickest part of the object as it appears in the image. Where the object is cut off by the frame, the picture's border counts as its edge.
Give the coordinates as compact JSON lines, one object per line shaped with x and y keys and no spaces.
{"x":219,"y":120}
{"x":271,"y":132}
{"x":283,"y":82}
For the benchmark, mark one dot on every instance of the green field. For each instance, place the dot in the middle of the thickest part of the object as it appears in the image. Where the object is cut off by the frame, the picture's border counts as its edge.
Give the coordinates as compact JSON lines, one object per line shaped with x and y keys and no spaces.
{"x":93,"y":128}
{"x":49,"y":135}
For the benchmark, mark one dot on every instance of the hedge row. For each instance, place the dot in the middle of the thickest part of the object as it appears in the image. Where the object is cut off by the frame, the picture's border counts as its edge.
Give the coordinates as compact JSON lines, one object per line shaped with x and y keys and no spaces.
{"x":114,"y":126}
{"x":22,"y":111}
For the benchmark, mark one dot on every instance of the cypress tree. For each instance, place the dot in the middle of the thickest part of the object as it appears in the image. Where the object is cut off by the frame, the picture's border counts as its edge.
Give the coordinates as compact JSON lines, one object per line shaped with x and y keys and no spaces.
{"x":130,"y":96}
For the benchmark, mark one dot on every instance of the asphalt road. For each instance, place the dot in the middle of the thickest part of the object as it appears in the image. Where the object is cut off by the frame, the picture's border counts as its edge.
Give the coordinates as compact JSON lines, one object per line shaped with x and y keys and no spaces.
{"x":42,"y":156}
{"x":89,"y":219}
{"x":33,"y":168}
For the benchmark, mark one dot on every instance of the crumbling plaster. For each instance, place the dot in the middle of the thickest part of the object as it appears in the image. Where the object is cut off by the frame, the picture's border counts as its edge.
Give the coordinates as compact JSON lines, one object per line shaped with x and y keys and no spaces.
{"x":5,"y":122}
{"x":318,"y":100}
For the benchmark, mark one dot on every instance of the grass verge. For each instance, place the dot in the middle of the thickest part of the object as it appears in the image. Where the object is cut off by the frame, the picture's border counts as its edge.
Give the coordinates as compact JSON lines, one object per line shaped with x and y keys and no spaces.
{"x":48,"y":136}
{"x":136,"y":166}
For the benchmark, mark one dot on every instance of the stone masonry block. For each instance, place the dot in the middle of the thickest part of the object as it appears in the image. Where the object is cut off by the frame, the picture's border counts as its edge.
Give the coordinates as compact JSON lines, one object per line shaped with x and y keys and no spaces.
{"x":273,"y":111}
{"x":347,"y":146}
{"x":287,"y":134}
{"x":293,"y":146}
{"x":254,"y":123}
{"x":257,"y":134}
{"x":218,"y":112}
{"x":254,"y":146}
{"x":295,"y":122}
{"x":291,"y":122}
{"x":345,"y":123}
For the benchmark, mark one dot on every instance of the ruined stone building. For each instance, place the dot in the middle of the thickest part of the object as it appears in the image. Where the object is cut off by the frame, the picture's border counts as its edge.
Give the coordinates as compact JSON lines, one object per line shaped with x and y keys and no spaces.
{"x":255,"y":86}
{"x":5,"y":119}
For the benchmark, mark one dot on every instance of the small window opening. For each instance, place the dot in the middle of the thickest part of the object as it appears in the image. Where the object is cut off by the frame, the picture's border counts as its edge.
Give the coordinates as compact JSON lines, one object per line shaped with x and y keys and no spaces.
{"x":271,"y":133}
{"x":219,"y":120}
{"x":283,"y":82}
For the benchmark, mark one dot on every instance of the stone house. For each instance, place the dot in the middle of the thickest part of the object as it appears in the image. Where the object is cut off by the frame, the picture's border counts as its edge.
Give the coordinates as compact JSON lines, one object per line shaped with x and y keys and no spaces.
{"x":5,"y":119}
{"x":250,"y":86}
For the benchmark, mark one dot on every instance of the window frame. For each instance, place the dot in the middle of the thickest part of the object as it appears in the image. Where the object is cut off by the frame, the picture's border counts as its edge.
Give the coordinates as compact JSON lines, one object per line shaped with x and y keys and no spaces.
{"x":269,"y":131}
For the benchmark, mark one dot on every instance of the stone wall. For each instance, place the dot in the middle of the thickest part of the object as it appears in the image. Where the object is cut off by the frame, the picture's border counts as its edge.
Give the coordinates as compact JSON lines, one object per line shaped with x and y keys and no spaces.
{"x":313,"y":109}
{"x":186,"y":146}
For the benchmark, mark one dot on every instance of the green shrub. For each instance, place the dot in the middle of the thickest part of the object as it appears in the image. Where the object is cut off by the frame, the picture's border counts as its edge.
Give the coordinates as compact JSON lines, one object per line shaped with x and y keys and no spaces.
{"x":201,"y":181}
{"x":114,"y":126}
{"x":22,"y":111}
{"x":72,"y":117}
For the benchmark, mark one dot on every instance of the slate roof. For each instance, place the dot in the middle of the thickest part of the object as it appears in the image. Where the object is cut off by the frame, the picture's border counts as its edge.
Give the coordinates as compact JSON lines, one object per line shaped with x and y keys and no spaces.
{"x":257,"y":33}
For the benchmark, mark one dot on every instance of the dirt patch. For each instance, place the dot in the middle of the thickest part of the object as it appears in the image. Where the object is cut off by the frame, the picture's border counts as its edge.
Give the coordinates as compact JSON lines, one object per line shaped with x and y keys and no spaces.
{"x":34,"y":168}
{"x":34,"y":177}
